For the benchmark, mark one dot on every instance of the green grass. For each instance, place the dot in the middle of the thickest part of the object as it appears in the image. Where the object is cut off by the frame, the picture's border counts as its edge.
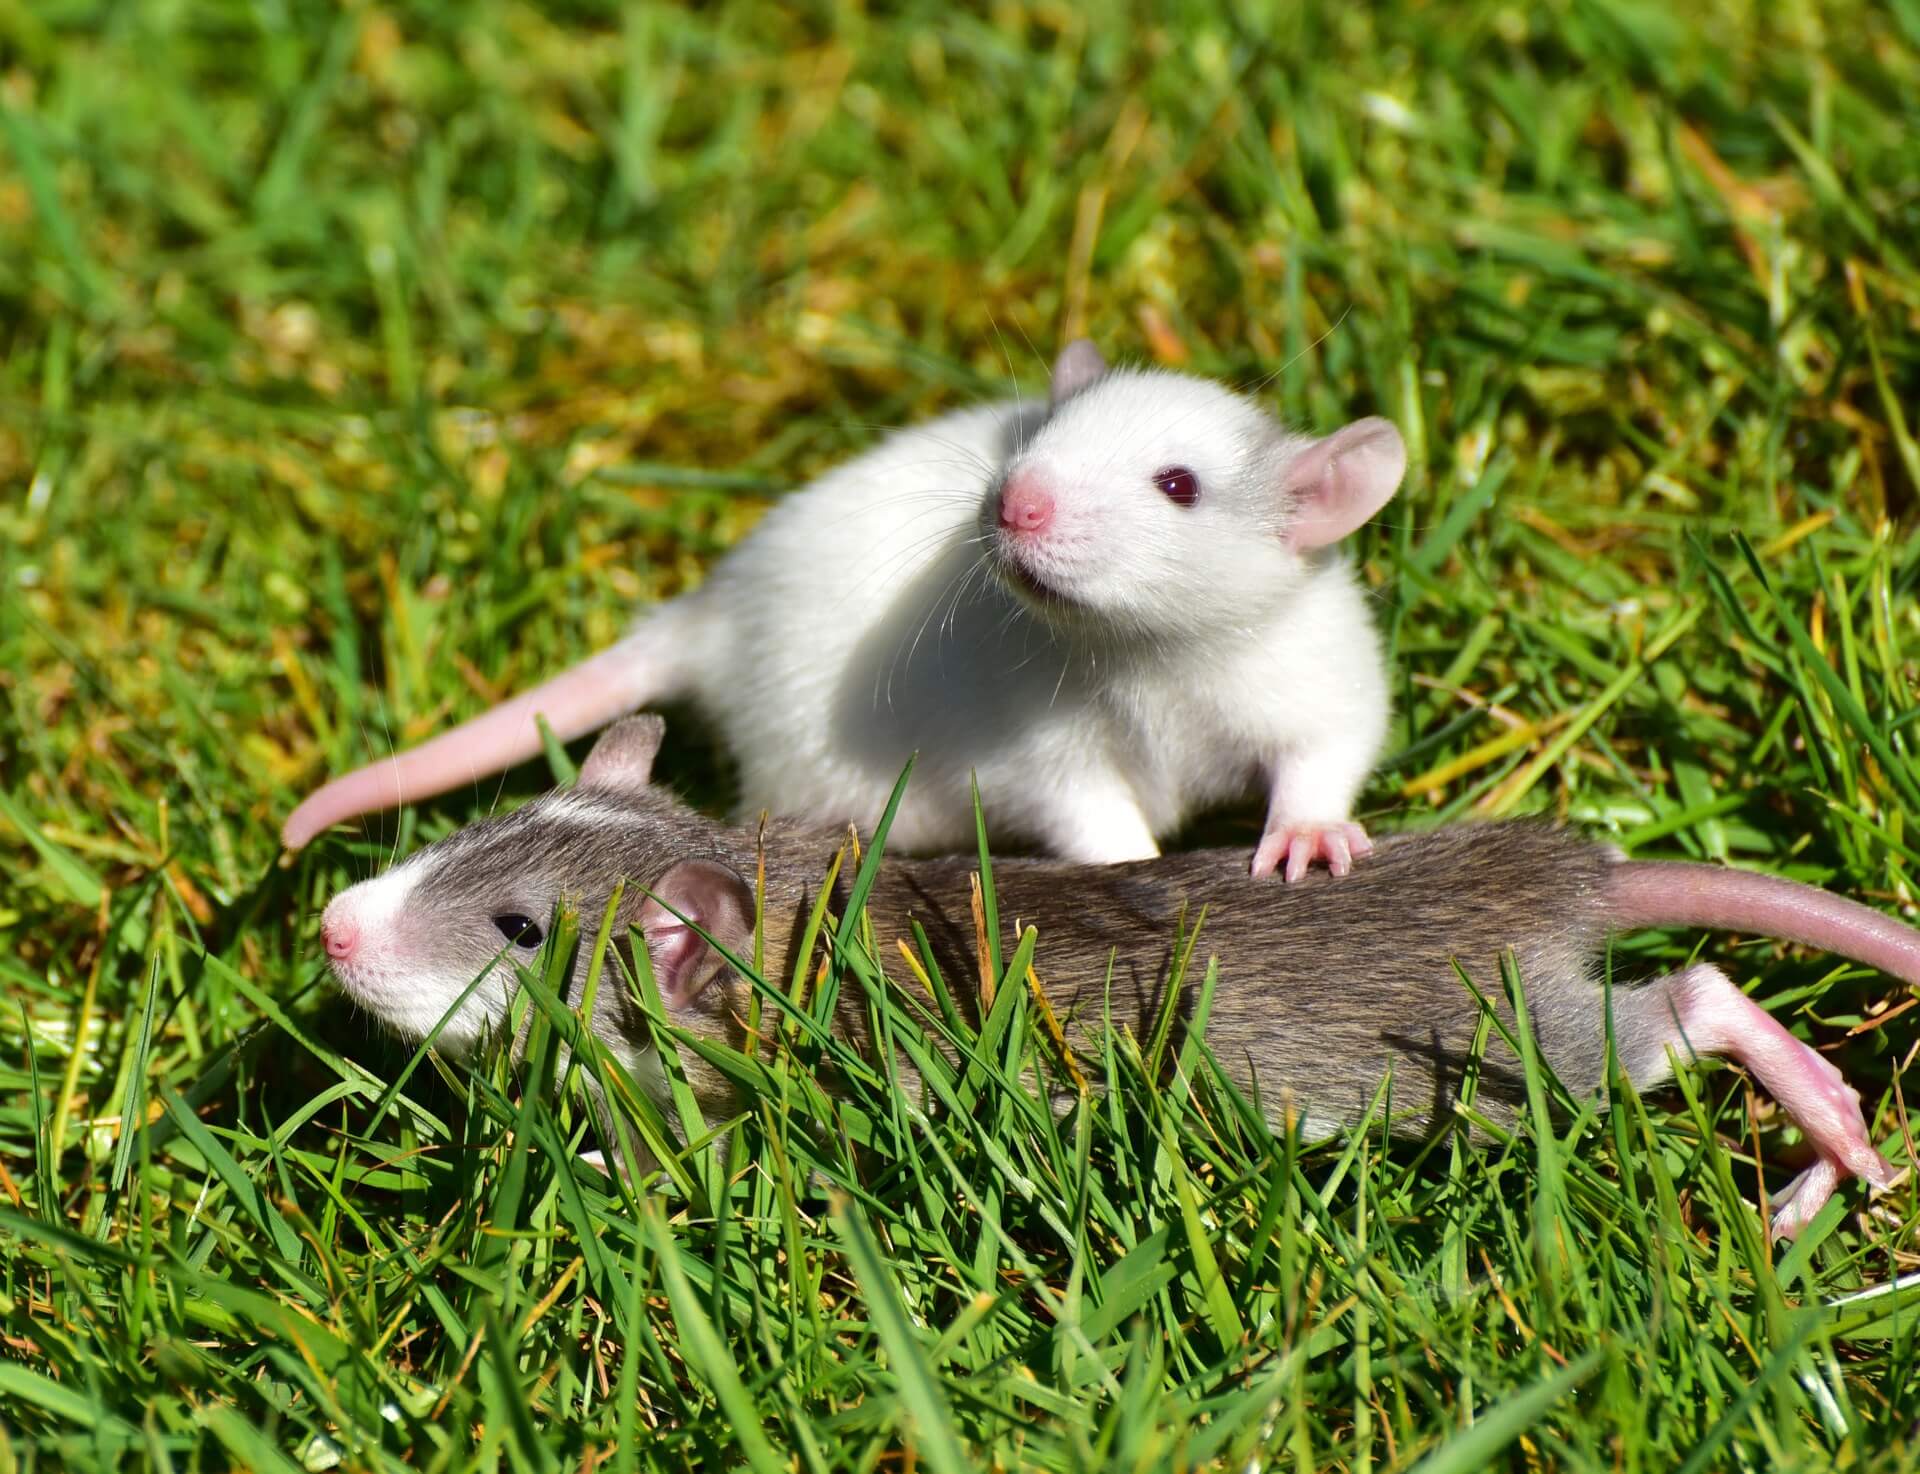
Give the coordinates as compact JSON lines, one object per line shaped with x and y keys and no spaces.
{"x":361,"y":363}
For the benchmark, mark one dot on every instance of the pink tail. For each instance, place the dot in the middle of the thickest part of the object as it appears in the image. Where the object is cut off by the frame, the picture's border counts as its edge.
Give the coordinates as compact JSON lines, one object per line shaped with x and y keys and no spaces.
{"x":1668,"y":893}
{"x":639,"y":669}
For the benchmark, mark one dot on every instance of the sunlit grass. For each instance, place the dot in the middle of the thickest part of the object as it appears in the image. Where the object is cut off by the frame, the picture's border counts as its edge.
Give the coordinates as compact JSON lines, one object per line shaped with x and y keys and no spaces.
{"x":363,"y":363}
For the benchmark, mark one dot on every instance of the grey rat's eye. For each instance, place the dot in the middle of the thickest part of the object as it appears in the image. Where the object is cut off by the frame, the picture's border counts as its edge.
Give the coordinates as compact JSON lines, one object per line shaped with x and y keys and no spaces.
{"x":1179,"y":485}
{"x":518,"y":929}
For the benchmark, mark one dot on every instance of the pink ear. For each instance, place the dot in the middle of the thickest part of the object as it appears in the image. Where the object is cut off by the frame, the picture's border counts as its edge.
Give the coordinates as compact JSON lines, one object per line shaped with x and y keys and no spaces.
{"x":1078,"y":365}
{"x":711,"y":897}
{"x":1333,"y":486}
{"x":623,"y":757}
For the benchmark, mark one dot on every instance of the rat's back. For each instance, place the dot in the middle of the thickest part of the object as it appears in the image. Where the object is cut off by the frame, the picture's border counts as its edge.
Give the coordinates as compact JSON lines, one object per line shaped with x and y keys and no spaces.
{"x":1326,"y":982}
{"x":1376,"y":962}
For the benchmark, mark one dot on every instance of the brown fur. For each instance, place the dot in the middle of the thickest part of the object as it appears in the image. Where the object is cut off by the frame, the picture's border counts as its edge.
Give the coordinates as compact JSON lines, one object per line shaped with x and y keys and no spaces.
{"x":1323,"y":984}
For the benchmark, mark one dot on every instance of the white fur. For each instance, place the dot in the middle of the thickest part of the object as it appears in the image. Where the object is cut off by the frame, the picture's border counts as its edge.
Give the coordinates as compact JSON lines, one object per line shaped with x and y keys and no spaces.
{"x":1197,"y":656}
{"x":399,"y":974}
{"x":860,"y":622}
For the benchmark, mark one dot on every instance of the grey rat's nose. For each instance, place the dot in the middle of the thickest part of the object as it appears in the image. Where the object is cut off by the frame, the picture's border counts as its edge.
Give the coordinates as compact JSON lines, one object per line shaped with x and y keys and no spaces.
{"x":338,"y":936}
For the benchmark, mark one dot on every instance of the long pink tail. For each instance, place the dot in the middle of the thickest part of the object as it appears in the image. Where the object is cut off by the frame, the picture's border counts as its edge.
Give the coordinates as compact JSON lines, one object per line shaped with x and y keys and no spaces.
{"x":1674,"y":893}
{"x":641,"y":668}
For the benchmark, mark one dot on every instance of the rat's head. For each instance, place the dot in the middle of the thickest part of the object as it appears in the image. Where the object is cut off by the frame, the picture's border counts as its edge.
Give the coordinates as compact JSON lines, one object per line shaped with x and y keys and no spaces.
{"x":407,"y":944}
{"x":1157,"y":503}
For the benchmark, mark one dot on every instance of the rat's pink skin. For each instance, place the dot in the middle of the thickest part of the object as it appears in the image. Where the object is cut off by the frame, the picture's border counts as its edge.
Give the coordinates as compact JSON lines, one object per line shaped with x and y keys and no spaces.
{"x":1338,"y":843}
{"x":1724,"y":899}
{"x":1711,"y":1016}
{"x":652,"y":661}
{"x":1715,"y":1017}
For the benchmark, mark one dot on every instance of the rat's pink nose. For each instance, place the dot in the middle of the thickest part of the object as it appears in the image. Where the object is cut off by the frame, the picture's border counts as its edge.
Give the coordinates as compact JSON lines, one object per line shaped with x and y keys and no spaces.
{"x":1025,"y":505}
{"x":339,"y":937}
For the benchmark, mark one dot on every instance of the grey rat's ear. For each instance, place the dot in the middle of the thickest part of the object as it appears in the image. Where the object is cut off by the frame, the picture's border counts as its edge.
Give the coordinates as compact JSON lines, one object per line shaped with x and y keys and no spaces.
{"x":1078,"y":365}
{"x":623,"y":757}
{"x":1332,"y":486}
{"x":710,"y":896}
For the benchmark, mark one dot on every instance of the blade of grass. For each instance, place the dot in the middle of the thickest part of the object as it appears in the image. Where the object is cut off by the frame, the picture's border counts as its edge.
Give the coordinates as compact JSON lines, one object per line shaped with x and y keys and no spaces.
{"x":922,"y":1401}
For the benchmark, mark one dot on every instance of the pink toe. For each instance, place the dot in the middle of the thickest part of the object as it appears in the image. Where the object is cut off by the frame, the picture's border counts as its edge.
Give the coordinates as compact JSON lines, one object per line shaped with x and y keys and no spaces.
{"x":1804,"y":1197}
{"x":1293,"y":848}
{"x":1299,"y":856}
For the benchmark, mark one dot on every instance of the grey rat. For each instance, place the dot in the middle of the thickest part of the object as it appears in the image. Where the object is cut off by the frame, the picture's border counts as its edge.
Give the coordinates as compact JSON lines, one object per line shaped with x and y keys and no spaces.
{"x":1117,"y":607}
{"x":1322,"y":985}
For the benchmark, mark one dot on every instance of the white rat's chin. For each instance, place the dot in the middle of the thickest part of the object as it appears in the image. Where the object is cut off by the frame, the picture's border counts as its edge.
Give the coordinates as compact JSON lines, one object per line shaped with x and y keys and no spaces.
{"x":1045,"y":593}
{"x":1077,"y":602}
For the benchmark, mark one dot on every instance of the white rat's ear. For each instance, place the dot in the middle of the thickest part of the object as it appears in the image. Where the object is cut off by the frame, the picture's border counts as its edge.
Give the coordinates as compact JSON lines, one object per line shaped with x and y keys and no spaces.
{"x":1078,"y":365}
{"x":716,"y":900}
{"x":1334,"y":485}
{"x":623,"y":757}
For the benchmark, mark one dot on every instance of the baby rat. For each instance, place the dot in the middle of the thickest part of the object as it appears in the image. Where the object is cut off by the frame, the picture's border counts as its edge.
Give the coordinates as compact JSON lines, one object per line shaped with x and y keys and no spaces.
{"x":1117,"y":607}
{"x":1322,"y":986}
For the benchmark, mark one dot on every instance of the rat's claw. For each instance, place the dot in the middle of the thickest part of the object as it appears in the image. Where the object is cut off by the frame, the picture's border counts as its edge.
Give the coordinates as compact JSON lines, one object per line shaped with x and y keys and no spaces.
{"x":1337,"y":842}
{"x":1807,"y":1194}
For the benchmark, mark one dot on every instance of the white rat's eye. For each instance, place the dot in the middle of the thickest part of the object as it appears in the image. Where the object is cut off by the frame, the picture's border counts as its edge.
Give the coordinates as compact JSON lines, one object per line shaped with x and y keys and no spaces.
{"x":518,"y":929}
{"x":1179,"y":485}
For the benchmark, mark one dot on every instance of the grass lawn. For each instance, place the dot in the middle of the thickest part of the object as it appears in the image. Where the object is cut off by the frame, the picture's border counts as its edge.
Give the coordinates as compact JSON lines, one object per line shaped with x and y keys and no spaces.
{"x":362,"y":362}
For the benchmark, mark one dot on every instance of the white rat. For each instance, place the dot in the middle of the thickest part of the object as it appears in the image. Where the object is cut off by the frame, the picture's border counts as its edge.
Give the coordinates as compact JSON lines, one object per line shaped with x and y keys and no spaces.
{"x":1117,"y":607}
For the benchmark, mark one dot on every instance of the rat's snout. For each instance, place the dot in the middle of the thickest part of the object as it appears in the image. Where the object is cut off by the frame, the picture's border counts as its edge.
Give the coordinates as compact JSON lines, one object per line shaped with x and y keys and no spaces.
{"x":339,"y":936}
{"x":409,"y":960}
{"x":1026,"y":506}
{"x":352,"y":925}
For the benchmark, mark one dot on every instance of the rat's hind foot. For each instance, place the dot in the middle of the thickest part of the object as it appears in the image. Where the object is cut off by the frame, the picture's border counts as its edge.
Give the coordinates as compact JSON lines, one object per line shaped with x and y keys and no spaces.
{"x":1337,"y":842}
{"x":1715,"y":1017}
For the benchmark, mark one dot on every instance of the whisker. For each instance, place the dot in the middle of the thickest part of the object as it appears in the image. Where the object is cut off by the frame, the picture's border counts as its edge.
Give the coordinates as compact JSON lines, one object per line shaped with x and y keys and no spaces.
{"x":894,"y":664}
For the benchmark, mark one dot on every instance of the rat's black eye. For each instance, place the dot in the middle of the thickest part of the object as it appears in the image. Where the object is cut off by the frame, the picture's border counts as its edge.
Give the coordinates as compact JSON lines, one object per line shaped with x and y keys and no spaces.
{"x":1179,"y":485}
{"x":518,"y":929}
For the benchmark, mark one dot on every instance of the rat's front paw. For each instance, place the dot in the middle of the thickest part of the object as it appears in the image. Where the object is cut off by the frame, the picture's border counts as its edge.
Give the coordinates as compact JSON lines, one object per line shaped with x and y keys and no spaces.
{"x":1337,"y":842}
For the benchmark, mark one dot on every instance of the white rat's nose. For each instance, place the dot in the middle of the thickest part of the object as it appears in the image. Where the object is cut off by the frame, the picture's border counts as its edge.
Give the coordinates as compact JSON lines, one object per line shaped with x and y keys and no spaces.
{"x":1025,"y":504}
